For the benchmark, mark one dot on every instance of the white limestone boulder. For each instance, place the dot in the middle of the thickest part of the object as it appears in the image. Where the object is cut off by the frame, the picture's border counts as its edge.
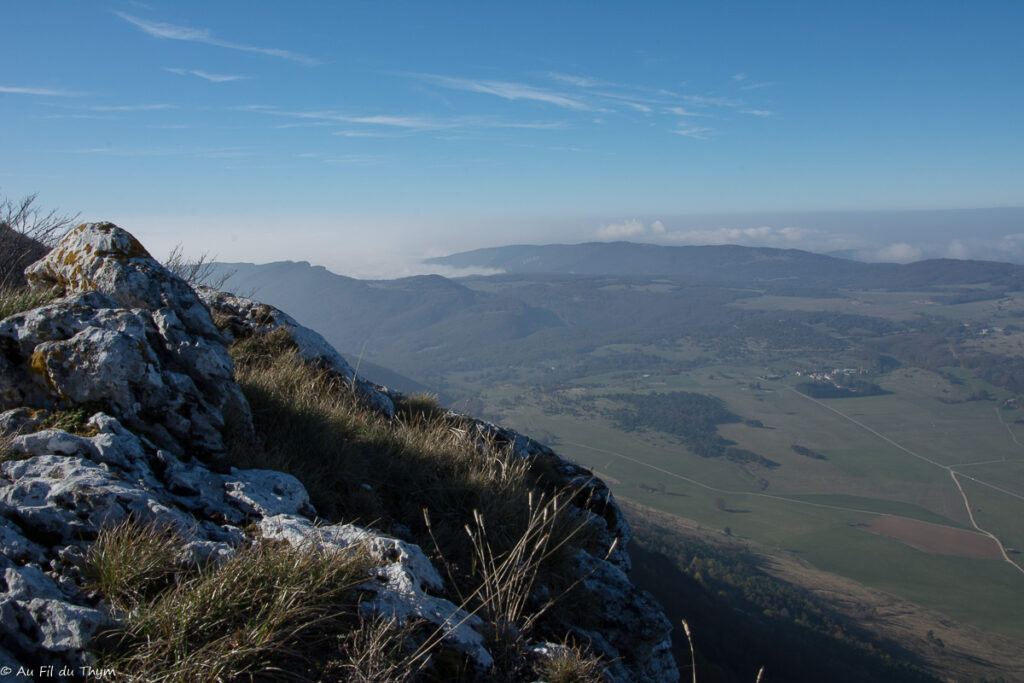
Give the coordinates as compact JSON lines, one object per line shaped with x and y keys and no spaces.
{"x":129,"y":335}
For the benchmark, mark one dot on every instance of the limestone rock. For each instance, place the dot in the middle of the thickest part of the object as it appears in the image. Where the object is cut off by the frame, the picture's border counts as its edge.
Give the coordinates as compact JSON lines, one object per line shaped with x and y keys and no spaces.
{"x":400,"y":583}
{"x":630,"y":630}
{"x":265,"y":493}
{"x":104,"y":258}
{"x":129,"y":335}
{"x":242,"y":317}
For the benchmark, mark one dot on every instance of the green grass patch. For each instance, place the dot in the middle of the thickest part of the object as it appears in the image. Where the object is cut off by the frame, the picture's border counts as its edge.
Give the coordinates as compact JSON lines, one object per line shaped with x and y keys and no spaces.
{"x":985,"y":593}
{"x":880,"y":506}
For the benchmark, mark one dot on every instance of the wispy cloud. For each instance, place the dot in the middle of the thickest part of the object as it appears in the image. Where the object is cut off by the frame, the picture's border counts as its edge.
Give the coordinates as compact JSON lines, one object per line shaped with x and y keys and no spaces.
{"x":362,"y":134}
{"x":196,"y":35}
{"x":327,"y":115}
{"x":355,"y":159}
{"x":631,"y":101}
{"x":506,"y":90}
{"x":681,"y":111}
{"x":637,"y":106}
{"x":214,"y":78}
{"x":739,"y":77}
{"x":93,"y":117}
{"x":398,"y":121}
{"x":757,"y":86}
{"x":45,"y":92}
{"x":697,"y":133}
{"x":304,"y":124}
{"x":129,"y":107}
{"x":711,"y":101}
{"x":583,"y":81}
{"x":198,"y":152}
{"x":757,"y":112}
{"x":637,"y":97}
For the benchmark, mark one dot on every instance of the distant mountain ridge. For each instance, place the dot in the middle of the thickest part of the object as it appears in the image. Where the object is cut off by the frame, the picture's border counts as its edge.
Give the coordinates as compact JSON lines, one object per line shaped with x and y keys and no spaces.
{"x":571,"y":297}
{"x":730,"y":263}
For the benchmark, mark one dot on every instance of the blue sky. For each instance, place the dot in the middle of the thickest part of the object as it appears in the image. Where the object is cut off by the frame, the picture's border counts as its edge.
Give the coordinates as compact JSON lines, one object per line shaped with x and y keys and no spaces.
{"x":364,"y":135}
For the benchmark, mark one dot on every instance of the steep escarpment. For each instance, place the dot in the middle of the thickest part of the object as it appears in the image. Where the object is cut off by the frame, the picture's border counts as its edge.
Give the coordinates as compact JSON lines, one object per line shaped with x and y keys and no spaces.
{"x":195,"y":485}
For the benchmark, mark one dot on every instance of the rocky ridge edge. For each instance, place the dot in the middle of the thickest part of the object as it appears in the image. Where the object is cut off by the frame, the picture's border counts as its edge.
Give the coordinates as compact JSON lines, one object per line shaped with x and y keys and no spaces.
{"x":137,"y":346}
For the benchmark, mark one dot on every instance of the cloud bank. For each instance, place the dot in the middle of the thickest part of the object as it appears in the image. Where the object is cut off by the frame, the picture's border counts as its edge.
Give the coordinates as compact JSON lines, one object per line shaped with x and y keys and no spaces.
{"x":877,"y":237}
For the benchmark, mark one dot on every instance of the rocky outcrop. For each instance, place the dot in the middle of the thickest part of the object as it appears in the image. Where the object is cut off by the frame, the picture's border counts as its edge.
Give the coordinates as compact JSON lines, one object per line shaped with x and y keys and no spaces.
{"x":240,"y":317}
{"x":132,"y":354}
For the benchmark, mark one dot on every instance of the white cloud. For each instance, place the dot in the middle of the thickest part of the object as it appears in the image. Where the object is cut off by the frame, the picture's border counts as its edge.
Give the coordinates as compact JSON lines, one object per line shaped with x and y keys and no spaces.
{"x":637,"y":106}
{"x":763,"y":236}
{"x":757,"y":86}
{"x":213,"y":78}
{"x":739,"y":77}
{"x":680,"y":111}
{"x":94,"y":117}
{"x":898,"y":252}
{"x":757,"y":112}
{"x":45,"y":92}
{"x":396,"y":121}
{"x":198,"y":152}
{"x":579,"y":81}
{"x":356,"y":159}
{"x":958,"y":250}
{"x":359,"y":133}
{"x":421,"y":123}
{"x":1012,"y":242}
{"x":505,"y":90}
{"x":197,"y":35}
{"x":130,"y":107}
{"x":630,"y":228}
{"x":709,"y":101}
{"x":698,"y":133}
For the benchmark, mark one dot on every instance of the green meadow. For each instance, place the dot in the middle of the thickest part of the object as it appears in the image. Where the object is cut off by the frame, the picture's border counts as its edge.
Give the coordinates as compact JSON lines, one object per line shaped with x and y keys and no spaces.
{"x":879,"y":455}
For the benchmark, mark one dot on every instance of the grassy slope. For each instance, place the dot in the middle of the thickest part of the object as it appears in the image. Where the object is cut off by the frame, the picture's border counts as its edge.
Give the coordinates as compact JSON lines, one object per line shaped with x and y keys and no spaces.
{"x":271,"y":608}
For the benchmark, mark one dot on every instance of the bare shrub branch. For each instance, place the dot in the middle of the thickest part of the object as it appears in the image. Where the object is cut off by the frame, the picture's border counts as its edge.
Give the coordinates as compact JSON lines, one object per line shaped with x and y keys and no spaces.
{"x":27,"y":233}
{"x":200,"y":270}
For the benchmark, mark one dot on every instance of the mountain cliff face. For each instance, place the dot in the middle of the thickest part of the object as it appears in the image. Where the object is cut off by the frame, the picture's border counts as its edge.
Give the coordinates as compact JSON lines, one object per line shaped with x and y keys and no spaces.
{"x":120,"y":410}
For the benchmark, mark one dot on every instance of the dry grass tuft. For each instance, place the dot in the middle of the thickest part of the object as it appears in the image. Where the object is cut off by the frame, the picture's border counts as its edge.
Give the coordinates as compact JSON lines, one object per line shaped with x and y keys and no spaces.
{"x":130,"y":562}
{"x":269,"y":611}
{"x":570,"y":663}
